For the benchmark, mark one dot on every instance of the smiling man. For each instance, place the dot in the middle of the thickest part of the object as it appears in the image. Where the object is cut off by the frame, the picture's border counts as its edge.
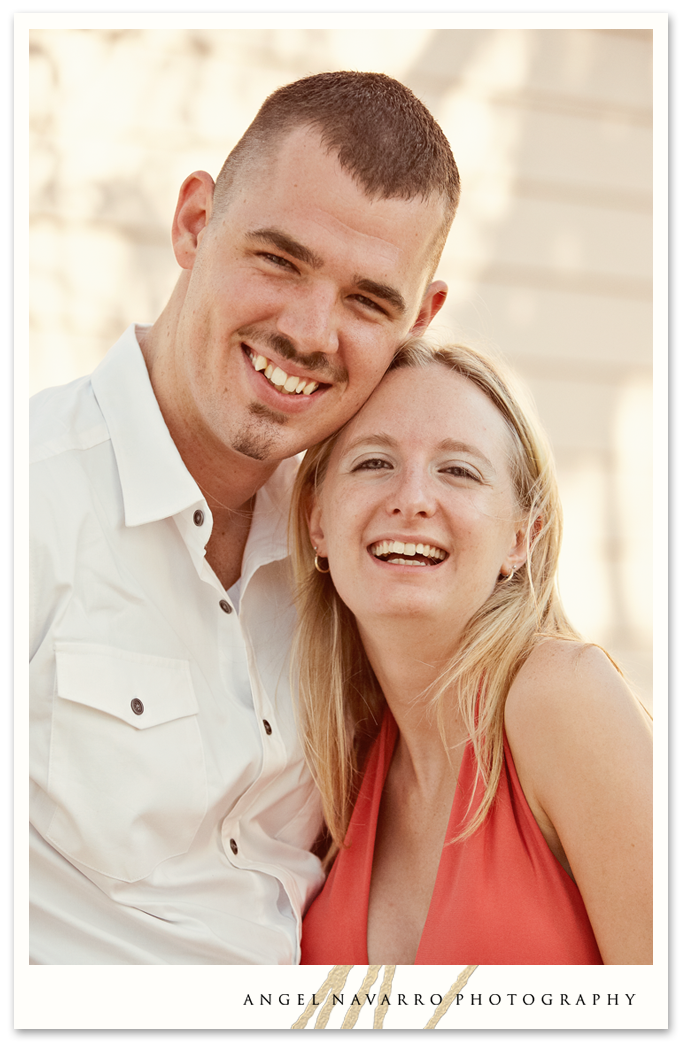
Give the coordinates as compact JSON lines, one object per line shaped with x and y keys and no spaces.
{"x":172,"y":814}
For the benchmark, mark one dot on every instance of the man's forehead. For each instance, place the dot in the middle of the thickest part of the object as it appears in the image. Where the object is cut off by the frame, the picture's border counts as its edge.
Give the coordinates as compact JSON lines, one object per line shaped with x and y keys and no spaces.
{"x":301,"y":200}
{"x":285,"y":155}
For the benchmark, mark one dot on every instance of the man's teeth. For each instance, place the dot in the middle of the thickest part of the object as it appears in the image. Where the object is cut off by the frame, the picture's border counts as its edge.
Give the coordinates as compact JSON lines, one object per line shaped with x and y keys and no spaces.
{"x":399,"y":547}
{"x":287,"y":384}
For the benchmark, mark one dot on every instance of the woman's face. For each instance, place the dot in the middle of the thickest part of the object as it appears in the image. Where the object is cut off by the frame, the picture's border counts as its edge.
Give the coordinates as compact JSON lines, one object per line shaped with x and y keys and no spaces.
{"x":417,"y":513}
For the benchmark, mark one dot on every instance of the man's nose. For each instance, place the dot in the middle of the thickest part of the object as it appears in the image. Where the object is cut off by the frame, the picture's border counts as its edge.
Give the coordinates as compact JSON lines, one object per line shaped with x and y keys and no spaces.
{"x":310,"y":319}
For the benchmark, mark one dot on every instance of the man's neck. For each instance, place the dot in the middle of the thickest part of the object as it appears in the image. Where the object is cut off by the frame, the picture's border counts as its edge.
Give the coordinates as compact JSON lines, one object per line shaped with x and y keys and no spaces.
{"x":226,"y":545}
{"x":227,"y":479}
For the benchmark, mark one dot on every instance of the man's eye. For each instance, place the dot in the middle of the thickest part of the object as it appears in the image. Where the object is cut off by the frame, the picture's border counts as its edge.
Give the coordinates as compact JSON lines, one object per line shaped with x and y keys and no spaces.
{"x":277,"y":260}
{"x":370,"y":303}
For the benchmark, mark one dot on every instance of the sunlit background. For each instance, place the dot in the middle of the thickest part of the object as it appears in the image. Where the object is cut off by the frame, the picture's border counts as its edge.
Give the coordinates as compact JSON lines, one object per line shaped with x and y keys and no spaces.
{"x":549,"y":261}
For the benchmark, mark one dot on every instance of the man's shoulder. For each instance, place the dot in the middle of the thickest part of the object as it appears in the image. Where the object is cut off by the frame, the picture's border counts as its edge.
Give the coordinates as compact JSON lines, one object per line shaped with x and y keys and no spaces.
{"x":63,"y":419}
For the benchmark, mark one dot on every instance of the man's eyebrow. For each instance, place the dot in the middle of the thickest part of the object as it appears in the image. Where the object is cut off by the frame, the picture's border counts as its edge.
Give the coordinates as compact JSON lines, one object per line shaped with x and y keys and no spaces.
{"x":381,"y":291}
{"x":284,"y":243}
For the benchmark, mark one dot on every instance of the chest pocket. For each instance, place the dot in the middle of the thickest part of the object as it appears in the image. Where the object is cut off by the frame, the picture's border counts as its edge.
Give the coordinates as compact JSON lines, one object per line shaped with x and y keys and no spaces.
{"x":127,"y":768}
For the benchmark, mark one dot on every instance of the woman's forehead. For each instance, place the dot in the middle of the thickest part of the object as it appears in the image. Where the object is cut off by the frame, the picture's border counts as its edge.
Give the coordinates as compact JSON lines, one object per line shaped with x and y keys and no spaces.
{"x":430,"y":402}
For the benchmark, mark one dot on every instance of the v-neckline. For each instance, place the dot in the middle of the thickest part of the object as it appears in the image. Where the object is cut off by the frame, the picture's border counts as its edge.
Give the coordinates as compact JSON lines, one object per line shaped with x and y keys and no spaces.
{"x":389,"y":735}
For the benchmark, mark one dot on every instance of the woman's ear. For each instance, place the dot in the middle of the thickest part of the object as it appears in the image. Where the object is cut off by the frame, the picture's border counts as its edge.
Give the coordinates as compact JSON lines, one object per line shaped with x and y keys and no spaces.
{"x":518,"y":553}
{"x":314,"y":519}
{"x":532,"y":531}
{"x":524,"y":538}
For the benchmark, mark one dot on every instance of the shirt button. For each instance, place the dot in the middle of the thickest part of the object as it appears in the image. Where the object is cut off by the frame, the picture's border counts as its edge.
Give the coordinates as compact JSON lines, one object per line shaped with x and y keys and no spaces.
{"x":225,"y":606}
{"x":234,"y":847}
{"x":137,"y":706}
{"x":198,"y":517}
{"x":267,"y":727}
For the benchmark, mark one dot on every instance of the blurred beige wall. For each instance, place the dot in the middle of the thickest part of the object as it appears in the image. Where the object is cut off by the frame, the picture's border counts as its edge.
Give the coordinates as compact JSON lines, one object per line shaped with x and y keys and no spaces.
{"x":549,"y":261}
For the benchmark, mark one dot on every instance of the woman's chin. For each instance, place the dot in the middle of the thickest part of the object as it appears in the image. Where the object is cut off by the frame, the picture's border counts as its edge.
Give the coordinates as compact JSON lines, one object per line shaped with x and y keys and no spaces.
{"x":412,"y":612}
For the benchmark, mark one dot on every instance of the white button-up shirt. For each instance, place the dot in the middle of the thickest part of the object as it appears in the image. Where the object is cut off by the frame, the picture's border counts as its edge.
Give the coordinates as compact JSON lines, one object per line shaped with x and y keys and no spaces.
{"x":172,"y":812}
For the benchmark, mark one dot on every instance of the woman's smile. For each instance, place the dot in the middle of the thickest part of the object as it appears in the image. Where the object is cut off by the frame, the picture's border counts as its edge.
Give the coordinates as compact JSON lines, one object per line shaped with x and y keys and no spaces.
{"x":420,"y":495}
{"x":406,"y":552}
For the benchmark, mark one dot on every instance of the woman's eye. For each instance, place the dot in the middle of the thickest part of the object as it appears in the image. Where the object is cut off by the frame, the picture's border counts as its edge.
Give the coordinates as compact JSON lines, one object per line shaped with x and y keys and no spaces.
{"x":373,"y":464}
{"x":463,"y":472}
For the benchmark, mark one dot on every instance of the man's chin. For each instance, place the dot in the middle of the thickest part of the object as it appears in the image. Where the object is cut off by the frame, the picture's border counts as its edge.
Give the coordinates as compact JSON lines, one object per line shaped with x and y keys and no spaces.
{"x":253,"y":449}
{"x":260,"y":411}
{"x":259,"y":440}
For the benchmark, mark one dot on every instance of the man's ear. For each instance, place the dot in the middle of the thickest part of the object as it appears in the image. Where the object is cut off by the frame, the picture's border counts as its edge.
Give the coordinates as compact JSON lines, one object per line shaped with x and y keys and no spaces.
{"x":432,"y":302}
{"x":192,"y":215}
{"x":314,"y":516}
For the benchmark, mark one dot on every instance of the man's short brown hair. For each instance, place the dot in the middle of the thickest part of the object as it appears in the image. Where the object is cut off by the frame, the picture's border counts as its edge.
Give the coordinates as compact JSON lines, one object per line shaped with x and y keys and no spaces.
{"x":384,"y":137}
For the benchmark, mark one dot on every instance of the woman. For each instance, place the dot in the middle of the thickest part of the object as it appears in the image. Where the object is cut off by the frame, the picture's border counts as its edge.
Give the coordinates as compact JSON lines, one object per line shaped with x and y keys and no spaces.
{"x":485,"y":774}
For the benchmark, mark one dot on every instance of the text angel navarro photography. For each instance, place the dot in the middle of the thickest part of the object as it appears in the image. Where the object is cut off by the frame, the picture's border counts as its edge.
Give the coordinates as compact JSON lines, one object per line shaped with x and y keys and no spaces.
{"x":413,"y":998}
{"x":332,"y":994}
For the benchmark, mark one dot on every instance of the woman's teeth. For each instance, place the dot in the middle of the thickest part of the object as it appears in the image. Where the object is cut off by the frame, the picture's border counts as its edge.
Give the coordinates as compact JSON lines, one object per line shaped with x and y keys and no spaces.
{"x":283,"y":382}
{"x":388,"y":547}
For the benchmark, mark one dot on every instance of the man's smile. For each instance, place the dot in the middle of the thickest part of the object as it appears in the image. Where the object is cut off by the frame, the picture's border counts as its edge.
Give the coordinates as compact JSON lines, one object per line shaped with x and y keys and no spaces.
{"x":287,"y":384}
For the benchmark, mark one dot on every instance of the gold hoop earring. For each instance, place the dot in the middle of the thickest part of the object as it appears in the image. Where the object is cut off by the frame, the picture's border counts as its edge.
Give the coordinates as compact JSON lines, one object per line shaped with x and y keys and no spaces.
{"x":506,"y":579}
{"x":317,"y":564}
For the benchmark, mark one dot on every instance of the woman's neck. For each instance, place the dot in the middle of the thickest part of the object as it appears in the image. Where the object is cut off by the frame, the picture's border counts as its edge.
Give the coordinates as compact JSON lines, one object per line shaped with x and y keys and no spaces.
{"x":407,"y":678}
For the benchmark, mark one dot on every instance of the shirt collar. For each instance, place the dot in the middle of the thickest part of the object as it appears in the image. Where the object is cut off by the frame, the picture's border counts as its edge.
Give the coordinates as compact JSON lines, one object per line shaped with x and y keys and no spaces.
{"x":268,"y":539}
{"x":155,"y":482}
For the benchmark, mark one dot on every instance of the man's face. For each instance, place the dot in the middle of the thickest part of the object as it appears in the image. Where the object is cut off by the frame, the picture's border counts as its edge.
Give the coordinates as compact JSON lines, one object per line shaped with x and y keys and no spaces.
{"x":298,"y":295}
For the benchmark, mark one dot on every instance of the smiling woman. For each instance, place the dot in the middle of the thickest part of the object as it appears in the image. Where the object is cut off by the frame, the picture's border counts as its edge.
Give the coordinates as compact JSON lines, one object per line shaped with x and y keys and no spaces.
{"x":437,"y":473}
{"x":485,"y":774}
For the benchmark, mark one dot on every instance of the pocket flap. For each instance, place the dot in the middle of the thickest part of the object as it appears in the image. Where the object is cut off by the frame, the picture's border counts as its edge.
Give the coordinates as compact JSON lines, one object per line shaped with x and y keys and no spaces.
{"x":141,"y":690}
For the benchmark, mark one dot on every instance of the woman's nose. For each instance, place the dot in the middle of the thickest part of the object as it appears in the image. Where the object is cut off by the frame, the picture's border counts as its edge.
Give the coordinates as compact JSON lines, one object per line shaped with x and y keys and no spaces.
{"x":413,"y":496}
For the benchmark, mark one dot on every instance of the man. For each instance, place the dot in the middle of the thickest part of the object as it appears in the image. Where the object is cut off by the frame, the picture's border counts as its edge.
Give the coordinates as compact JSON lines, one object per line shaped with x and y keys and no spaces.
{"x":172,"y":813}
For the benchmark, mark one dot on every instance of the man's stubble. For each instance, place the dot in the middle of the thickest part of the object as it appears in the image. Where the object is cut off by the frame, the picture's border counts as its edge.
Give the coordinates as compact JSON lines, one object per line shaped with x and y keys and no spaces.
{"x":258,"y":441}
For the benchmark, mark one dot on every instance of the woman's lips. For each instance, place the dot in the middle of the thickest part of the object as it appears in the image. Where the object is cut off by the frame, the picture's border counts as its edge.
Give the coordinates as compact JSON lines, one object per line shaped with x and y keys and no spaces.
{"x":400,"y":552}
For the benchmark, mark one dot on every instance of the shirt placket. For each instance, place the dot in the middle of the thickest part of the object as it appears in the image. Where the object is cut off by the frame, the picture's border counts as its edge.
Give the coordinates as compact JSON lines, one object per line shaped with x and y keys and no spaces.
{"x":195,"y":525}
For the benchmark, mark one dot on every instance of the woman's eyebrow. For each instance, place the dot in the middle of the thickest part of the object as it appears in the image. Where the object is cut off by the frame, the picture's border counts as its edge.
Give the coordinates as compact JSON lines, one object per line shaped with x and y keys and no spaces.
{"x":380,"y":440}
{"x":449,"y":445}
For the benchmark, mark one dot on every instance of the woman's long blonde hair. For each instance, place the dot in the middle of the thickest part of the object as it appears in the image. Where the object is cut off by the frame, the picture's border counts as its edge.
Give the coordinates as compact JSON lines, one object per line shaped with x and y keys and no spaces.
{"x":339,"y":700}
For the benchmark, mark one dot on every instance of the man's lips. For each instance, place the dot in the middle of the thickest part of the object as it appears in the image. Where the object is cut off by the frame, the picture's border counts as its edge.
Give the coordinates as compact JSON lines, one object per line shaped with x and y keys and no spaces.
{"x":285,"y":382}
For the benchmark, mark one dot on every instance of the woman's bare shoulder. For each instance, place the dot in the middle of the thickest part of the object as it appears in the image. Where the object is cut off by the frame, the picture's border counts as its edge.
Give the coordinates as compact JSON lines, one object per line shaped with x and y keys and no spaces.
{"x":569,"y":711}
{"x":561,"y":660}
{"x":581,"y":745}
{"x":565,"y":683}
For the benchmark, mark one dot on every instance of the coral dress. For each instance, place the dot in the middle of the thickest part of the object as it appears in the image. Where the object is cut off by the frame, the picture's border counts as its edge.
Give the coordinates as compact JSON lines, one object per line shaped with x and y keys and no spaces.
{"x":500,"y":896}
